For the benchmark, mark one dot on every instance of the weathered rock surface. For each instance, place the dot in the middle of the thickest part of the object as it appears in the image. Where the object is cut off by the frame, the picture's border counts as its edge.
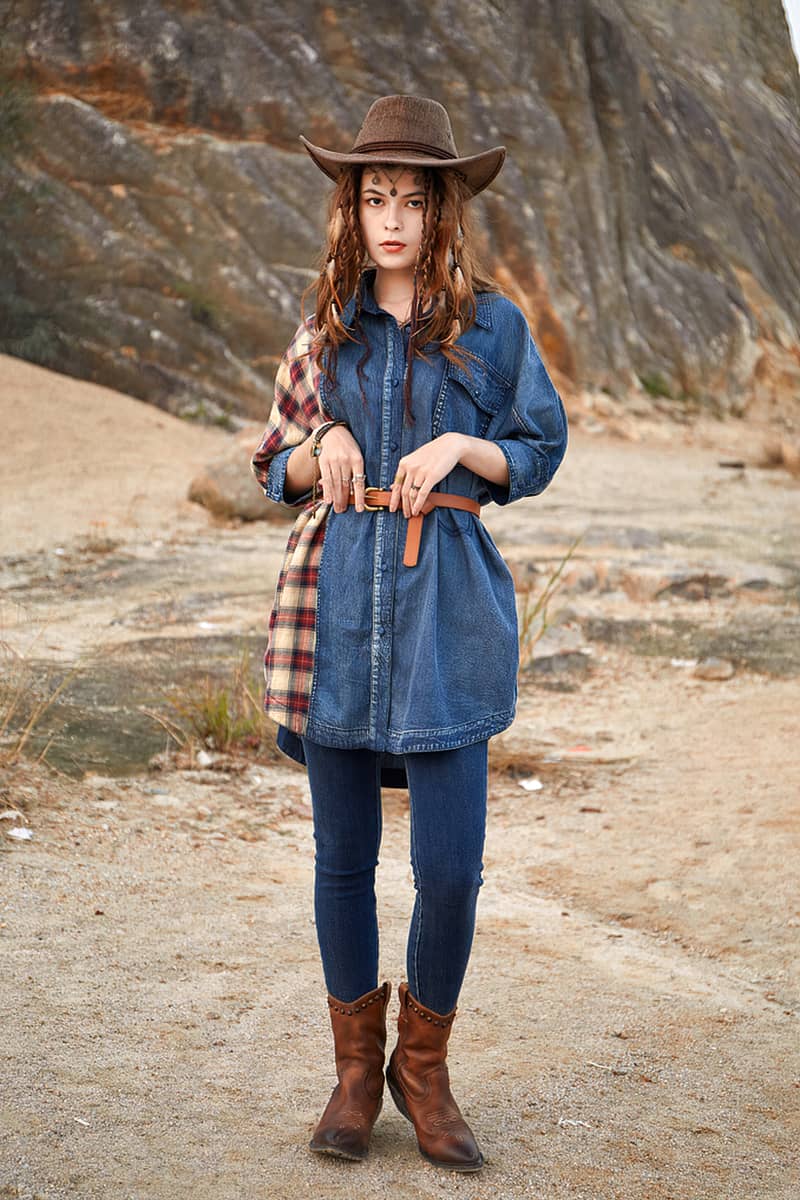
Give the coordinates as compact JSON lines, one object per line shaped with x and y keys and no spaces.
{"x":227,"y":487}
{"x":160,"y":218}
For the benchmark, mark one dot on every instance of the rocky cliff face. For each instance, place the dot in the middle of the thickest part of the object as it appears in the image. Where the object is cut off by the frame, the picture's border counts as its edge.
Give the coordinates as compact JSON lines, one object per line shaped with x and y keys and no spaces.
{"x":160,"y":217}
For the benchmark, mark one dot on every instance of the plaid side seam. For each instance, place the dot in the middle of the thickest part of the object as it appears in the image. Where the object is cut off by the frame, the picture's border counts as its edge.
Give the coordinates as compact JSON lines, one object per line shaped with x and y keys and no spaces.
{"x":289,"y":656}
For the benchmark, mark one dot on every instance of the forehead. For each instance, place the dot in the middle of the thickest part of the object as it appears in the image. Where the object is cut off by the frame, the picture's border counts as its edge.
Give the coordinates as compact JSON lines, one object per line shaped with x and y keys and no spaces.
{"x":384,"y":176}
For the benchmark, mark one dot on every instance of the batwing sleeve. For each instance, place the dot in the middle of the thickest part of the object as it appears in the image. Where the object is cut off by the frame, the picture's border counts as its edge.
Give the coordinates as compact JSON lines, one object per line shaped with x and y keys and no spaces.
{"x":532,"y":432}
{"x":296,"y":410}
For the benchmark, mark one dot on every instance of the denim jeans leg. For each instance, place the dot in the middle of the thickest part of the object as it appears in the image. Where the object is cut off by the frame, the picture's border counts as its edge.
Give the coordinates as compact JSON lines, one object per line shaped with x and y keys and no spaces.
{"x":348,"y":823}
{"x":448,"y":827}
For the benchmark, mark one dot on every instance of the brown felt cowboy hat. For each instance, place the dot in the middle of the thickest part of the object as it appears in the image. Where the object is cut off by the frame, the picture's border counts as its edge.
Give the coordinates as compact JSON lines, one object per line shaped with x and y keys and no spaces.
{"x":413,"y":132}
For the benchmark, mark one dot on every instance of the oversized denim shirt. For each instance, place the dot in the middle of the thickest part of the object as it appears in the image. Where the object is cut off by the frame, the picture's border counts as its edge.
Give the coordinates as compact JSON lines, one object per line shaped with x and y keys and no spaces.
{"x":425,"y":658}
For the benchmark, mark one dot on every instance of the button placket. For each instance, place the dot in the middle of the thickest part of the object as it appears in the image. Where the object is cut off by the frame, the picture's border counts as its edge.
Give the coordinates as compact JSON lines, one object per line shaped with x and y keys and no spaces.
{"x":383,"y":560}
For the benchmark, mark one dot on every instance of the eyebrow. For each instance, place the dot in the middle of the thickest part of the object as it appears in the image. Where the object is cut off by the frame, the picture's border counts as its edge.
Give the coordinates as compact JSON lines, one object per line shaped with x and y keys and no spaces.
{"x":405,"y":196}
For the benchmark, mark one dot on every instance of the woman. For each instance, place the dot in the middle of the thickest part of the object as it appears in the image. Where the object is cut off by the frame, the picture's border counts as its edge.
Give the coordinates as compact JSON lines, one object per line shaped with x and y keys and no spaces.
{"x":412,"y":396}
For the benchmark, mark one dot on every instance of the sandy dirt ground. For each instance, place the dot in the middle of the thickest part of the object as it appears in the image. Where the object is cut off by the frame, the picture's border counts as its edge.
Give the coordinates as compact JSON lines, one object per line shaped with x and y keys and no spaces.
{"x":628,"y":1023}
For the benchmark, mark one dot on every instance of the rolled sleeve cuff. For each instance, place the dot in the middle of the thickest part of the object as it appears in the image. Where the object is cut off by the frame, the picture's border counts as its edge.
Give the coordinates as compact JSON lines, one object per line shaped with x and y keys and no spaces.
{"x":275,"y":487}
{"x":527,"y":472}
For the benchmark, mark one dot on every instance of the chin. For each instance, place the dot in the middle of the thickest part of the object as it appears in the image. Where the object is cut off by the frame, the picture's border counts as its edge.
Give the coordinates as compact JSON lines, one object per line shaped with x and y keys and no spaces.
{"x":403,"y":262}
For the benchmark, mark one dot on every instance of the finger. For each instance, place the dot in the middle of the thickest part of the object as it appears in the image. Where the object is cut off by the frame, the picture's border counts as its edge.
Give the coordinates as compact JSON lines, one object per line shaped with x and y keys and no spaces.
{"x":396,"y":497}
{"x":337,"y":473}
{"x":327,"y":483}
{"x":403,"y":482}
{"x":410,"y":493}
{"x":419,"y":497}
{"x":341,"y":481}
{"x":359,"y":486}
{"x":414,"y":493}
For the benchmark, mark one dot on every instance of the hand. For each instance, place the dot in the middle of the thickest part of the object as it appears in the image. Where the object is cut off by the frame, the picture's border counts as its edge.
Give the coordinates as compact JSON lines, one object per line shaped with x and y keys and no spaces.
{"x":421,"y":470}
{"x":340,"y":459}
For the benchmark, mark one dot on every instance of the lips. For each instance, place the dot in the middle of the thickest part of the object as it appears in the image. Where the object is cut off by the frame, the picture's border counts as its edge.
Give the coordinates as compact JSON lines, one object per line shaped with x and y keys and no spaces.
{"x":393,"y":245}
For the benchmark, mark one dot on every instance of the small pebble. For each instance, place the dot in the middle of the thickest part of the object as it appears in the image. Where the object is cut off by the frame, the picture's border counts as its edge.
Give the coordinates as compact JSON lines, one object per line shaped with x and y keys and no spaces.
{"x":714,"y":668}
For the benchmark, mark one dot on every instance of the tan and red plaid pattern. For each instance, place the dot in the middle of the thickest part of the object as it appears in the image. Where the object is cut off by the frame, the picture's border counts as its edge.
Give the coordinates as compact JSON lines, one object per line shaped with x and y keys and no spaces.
{"x":289,"y":657}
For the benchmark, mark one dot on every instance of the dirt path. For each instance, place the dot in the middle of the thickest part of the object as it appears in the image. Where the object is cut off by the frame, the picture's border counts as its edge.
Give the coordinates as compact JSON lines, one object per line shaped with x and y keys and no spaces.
{"x":628,"y":1025}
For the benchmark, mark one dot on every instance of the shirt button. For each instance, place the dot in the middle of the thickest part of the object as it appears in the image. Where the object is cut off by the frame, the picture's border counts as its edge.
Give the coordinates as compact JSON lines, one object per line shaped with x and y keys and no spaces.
{"x":393,"y":445}
{"x":381,"y":631}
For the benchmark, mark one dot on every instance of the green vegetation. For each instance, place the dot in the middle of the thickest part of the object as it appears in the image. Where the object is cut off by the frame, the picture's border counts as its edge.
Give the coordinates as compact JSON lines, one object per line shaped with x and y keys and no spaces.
{"x":655,"y":385}
{"x":201,"y":307}
{"x":204,"y":412}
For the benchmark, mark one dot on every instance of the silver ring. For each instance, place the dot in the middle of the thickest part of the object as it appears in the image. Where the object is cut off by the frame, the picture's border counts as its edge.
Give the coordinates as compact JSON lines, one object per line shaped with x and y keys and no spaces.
{"x":414,"y":487}
{"x":360,"y":476}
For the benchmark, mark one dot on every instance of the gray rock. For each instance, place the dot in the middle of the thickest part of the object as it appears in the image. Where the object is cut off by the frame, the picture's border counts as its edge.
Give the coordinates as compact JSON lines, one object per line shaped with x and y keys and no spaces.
{"x":227,"y":487}
{"x":160,"y":218}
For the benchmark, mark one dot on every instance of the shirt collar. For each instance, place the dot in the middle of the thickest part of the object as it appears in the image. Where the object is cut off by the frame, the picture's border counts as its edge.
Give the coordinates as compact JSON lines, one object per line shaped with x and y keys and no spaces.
{"x":483,"y":314}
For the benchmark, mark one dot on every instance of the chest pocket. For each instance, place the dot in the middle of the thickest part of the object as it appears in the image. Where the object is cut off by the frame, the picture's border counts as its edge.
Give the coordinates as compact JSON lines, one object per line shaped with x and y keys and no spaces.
{"x":468,"y":402}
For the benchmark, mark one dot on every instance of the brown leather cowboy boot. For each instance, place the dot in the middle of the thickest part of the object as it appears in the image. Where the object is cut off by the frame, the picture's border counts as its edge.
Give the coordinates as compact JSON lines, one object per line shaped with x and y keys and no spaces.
{"x":359,"y":1038}
{"x":420,"y":1085}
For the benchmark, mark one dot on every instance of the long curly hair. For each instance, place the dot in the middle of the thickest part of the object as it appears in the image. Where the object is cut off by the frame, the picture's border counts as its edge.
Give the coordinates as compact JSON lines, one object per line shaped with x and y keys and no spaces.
{"x":447,"y":275}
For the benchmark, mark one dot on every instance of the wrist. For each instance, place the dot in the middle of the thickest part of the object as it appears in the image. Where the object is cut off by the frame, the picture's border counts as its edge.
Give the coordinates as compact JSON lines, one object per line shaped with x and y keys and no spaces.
{"x":318,"y":434}
{"x":460,"y":443}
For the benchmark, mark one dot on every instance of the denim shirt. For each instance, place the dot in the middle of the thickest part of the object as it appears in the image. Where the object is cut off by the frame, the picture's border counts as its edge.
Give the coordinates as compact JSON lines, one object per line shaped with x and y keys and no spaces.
{"x":425,"y":658}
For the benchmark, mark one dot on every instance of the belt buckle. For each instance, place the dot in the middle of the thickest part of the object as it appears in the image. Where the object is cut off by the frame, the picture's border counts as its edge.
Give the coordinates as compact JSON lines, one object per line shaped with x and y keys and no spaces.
{"x":372,"y":507}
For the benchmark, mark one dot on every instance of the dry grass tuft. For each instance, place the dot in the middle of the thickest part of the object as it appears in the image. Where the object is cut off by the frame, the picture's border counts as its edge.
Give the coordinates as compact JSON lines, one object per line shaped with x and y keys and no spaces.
{"x":223,"y":716}
{"x":20,"y":710}
{"x":534,"y":613}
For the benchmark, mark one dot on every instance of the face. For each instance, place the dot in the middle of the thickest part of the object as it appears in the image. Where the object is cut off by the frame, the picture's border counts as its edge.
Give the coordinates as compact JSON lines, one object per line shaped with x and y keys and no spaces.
{"x":391,"y":210}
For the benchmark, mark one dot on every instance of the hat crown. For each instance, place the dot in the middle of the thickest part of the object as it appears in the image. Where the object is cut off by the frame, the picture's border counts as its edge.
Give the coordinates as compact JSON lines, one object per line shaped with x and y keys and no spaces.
{"x":412,"y":122}
{"x":412,"y":131}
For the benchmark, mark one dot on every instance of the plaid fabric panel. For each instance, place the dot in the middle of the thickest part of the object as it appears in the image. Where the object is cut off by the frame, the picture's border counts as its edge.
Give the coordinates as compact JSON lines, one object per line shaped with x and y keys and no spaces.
{"x":289,"y":657}
{"x":296,"y":408}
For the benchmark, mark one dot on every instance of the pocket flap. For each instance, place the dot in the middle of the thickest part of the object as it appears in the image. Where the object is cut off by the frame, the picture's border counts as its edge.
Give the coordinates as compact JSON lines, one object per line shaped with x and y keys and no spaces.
{"x":486,"y":388}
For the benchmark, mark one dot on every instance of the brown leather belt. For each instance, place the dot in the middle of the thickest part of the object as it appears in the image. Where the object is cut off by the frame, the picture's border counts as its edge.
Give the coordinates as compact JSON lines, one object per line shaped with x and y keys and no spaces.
{"x":375,"y":498}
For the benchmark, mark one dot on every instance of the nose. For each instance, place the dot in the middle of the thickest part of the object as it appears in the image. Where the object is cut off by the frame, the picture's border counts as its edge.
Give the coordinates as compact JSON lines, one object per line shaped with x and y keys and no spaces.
{"x":392,"y":220}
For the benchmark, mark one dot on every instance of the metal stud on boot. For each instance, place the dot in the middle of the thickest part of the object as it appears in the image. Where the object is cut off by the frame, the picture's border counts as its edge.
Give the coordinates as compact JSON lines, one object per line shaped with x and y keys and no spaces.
{"x":359,"y":1038}
{"x":419,"y":1082}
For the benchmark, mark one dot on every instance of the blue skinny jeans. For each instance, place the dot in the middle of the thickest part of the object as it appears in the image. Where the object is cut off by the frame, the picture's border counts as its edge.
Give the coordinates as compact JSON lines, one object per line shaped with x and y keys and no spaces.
{"x":447,"y":791}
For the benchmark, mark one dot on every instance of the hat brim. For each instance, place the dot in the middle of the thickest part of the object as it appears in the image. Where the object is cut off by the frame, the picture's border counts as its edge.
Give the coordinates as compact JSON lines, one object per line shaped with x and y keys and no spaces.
{"x":478,"y":170}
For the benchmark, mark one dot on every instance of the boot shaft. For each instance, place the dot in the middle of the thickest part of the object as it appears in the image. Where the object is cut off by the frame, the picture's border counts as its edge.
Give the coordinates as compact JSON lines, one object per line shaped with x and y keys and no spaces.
{"x":423,"y":1033}
{"x":359,"y":1028}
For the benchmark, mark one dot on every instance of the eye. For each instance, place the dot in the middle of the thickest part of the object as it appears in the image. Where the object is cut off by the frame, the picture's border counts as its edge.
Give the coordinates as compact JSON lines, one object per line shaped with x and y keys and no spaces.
{"x":419,"y":203}
{"x":369,"y":201}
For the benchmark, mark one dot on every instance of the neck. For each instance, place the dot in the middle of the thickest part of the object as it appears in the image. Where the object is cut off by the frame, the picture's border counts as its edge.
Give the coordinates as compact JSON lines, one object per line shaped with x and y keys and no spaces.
{"x":393,"y":287}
